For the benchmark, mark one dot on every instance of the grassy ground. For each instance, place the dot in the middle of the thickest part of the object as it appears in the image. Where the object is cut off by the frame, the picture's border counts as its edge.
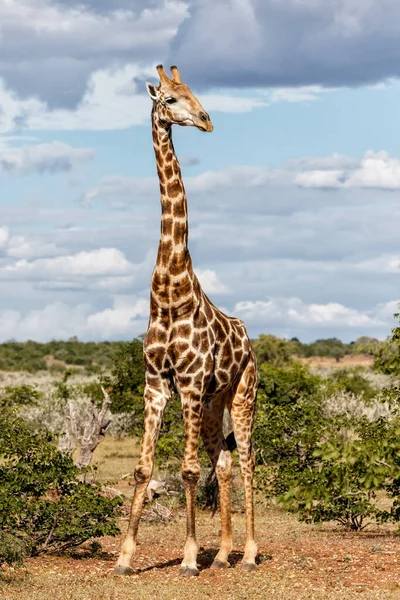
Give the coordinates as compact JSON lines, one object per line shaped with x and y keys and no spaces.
{"x":297,"y":562}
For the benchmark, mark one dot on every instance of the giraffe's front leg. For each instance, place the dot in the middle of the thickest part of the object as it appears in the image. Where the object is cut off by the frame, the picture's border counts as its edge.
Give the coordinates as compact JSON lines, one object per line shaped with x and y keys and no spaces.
{"x":155,"y":401}
{"x":192,"y":410}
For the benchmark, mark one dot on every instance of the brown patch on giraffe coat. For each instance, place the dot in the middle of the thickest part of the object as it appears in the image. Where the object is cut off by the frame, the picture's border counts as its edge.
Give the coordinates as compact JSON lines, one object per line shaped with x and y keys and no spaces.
{"x":176,"y":350}
{"x":161,"y":293}
{"x":169,"y":156}
{"x":179,"y":210}
{"x":156,"y":355}
{"x":165,"y":251}
{"x":155,"y":335}
{"x":184,"y":380}
{"x":160,"y":174}
{"x":184,"y":330}
{"x":224,"y":324}
{"x":195,"y":365}
{"x":180,"y":231}
{"x":177,"y":266}
{"x":166,"y":206}
{"x":174,"y":188}
{"x":227,"y":355}
{"x":208,"y":311}
{"x":201,"y":321}
{"x":168,"y":171}
{"x":186,"y":362}
{"x":166,"y":226}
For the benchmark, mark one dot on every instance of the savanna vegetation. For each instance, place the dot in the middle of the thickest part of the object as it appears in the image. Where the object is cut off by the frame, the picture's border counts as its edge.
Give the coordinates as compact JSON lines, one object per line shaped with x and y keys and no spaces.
{"x":327,"y":442}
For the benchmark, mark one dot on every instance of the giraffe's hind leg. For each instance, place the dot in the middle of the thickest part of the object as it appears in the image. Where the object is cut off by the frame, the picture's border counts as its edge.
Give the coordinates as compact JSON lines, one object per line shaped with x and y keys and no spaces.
{"x":221,"y":459}
{"x":242,"y":414}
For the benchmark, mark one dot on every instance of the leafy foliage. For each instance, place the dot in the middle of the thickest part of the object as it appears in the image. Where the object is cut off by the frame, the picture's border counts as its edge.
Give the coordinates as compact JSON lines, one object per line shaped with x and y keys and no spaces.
{"x":353,"y":381}
{"x":44,"y":504}
{"x":270,"y":349}
{"x":323,"y":464}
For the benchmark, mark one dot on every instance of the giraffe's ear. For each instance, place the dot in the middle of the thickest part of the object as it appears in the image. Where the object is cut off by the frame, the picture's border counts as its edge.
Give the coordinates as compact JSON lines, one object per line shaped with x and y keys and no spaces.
{"x":151,"y":90}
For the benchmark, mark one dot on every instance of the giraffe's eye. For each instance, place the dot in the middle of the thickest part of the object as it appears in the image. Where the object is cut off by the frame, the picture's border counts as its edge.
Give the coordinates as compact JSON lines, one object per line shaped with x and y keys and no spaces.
{"x":170,"y":100}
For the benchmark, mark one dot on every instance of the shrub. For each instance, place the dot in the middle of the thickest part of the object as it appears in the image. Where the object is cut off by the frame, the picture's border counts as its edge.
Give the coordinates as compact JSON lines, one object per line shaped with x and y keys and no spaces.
{"x":353,"y":381}
{"x":326,"y":453}
{"x":44,"y":505}
{"x":270,"y":349}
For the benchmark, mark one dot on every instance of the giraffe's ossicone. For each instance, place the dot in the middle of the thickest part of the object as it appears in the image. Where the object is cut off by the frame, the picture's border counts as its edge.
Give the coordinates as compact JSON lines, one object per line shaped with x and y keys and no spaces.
{"x":191,"y":347}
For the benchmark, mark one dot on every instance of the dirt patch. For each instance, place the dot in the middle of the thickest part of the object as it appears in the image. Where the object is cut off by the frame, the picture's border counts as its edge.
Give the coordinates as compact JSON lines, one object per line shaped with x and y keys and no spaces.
{"x":297,"y":562}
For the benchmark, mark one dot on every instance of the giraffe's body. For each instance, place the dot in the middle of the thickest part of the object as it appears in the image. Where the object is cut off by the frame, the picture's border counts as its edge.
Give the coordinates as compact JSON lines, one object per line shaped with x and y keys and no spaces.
{"x":193,"y":348}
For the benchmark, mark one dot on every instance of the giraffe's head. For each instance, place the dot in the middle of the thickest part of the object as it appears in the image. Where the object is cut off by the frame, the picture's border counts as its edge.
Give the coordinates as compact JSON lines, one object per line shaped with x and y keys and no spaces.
{"x":175,"y":103}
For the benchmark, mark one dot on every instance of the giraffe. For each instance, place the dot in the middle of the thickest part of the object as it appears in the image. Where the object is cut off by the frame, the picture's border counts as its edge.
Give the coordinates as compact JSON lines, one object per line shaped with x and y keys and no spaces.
{"x":193,"y":348}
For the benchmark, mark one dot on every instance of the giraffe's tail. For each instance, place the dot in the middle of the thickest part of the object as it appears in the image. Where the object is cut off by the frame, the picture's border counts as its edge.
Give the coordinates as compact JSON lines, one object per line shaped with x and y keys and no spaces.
{"x":211,"y":481}
{"x":231,"y":441}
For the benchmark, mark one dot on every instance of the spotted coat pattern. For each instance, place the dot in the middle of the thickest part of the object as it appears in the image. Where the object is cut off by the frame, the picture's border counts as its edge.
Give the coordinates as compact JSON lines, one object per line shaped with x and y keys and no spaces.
{"x":191,"y":347}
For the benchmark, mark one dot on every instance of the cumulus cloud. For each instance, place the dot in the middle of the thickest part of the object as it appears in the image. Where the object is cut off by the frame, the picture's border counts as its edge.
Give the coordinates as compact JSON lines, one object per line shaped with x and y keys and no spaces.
{"x":128,"y":317}
{"x":293,"y":312}
{"x":125,"y":319}
{"x":64,"y":44}
{"x":4,"y":237}
{"x":210,"y":282}
{"x":375,"y":170}
{"x":50,"y":157}
{"x":81,"y":62}
{"x":101,"y":262}
{"x":301,"y":43}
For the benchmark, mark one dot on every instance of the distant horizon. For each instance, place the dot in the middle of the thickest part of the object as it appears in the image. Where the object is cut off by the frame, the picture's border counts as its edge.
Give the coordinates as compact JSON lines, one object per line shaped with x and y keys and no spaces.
{"x":140,"y":338}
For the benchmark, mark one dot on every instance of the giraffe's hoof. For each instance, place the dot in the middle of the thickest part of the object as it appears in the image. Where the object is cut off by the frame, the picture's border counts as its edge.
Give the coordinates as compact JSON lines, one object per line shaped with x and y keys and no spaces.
{"x":121,"y":570}
{"x":218,"y":564}
{"x":189,"y":571}
{"x":249,"y":566}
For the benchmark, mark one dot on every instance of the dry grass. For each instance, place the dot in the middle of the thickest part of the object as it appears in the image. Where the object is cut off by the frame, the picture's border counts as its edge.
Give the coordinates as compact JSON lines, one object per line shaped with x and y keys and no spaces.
{"x":41,"y":379}
{"x":325,"y":364}
{"x":115,"y":458}
{"x":298,"y":562}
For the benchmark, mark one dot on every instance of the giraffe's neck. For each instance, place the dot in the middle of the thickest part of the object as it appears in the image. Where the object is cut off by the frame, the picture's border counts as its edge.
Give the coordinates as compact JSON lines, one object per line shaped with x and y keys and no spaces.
{"x":173,"y":259}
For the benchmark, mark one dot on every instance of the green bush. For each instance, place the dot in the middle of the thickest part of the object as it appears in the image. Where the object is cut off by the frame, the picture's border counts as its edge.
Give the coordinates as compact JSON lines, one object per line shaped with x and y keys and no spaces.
{"x":354,"y":382}
{"x":44,"y":505}
{"x":322,"y":464}
{"x":270,"y":349}
{"x":353,"y":461}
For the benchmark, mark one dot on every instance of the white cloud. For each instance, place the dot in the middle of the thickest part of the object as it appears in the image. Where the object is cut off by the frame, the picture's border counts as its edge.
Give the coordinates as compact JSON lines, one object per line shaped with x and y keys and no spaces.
{"x":4,"y":237}
{"x":210,"y":282}
{"x":230,"y":104}
{"x":64,"y":44}
{"x":308,"y":93}
{"x":125,"y":316}
{"x":319,"y":179}
{"x":22,"y":247}
{"x":293,"y":312}
{"x":334,"y":162}
{"x":126,"y":319}
{"x":383,"y":264}
{"x":290,"y":42}
{"x":49,"y":157}
{"x":94,"y":263}
{"x":377,"y":170}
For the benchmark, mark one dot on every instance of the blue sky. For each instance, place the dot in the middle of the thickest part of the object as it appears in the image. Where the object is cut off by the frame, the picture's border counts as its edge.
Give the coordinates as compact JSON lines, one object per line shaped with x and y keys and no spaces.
{"x":294,"y":199}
